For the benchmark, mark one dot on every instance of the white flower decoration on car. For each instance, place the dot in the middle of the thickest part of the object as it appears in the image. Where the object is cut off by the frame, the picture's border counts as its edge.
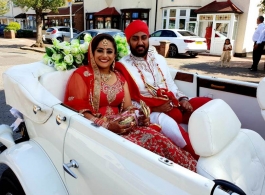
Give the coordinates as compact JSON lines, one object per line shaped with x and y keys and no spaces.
{"x":65,"y":56}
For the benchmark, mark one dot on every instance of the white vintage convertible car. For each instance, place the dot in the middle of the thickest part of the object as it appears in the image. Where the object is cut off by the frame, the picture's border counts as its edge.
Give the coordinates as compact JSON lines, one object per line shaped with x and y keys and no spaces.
{"x":66,"y":154}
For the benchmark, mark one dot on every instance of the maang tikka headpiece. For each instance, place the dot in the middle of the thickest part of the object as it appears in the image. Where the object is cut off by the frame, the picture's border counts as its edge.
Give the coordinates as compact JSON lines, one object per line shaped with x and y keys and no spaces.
{"x":105,"y":42}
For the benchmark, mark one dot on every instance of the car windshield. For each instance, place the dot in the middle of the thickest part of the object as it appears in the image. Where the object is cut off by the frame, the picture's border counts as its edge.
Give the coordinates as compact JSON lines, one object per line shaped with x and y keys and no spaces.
{"x":186,"y":33}
{"x":94,"y":33}
{"x":49,"y":30}
{"x":116,"y":33}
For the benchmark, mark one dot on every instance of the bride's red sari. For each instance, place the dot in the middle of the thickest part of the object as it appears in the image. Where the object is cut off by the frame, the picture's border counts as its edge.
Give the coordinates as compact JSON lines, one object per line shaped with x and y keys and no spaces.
{"x":85,"y":91}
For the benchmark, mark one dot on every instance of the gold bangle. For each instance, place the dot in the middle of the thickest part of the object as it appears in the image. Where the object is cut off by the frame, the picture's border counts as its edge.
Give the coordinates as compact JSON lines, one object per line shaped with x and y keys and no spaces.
{"x":84,"y":110}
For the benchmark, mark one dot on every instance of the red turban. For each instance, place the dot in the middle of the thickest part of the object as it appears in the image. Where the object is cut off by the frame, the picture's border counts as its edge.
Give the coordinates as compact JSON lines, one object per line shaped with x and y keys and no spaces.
{"x":135,"y":27}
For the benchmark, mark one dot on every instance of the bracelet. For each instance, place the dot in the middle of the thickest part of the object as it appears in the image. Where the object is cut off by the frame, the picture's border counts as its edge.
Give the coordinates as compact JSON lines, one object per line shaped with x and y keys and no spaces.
{"x":183,"y":98}
{"x":84,"y":110}
{"x":100,"y":122}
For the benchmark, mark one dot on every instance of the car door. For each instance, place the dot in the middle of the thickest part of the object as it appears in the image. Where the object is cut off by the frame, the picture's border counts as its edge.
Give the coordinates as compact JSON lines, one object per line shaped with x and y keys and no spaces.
{"x":66,"y":32}
{"x":155,"y":38}
{"x":101,"y":162}
{"x":75,"y":32}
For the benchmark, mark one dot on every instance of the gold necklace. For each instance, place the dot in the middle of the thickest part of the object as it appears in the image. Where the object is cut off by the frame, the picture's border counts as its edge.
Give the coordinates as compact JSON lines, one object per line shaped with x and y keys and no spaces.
{"x":105,"y":77}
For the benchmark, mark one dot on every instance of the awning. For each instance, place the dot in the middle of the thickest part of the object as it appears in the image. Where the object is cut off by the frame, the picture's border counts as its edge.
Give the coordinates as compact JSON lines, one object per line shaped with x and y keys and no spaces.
{"x":65,"y":11}
{"x":21,"y":15}
{"x":219,"y":7}
{"x":109,"y":11}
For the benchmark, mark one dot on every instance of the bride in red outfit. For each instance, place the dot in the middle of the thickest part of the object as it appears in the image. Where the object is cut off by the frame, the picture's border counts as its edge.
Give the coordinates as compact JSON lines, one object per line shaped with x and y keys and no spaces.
{"x":101,"y":94}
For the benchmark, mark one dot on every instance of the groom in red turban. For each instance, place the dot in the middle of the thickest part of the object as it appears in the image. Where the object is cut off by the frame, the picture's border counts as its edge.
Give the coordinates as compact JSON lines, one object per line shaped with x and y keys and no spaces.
{"x":135,"y":27}
{"x":149,"y":80}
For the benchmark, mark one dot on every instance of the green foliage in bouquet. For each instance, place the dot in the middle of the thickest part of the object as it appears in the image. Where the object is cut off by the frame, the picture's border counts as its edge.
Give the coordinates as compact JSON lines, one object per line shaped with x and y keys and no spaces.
{"x":65,"y":56}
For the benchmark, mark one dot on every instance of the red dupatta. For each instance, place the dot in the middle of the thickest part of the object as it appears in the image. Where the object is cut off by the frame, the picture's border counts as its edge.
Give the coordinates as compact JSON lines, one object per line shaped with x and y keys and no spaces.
{"x":83,"y":88}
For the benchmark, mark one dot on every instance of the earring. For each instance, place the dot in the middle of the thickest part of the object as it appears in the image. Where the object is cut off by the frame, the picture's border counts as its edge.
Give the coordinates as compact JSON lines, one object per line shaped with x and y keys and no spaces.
{"x":113,"y":65}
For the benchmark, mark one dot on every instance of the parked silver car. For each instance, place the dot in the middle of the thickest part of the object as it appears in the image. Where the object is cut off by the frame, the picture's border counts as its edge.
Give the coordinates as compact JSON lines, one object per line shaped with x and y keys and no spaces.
{"x":59,"y":32}
{"x":94,"y":32}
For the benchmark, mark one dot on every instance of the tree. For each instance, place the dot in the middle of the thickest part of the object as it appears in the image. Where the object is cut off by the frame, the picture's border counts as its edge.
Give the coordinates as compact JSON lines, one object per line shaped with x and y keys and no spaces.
{"x":262,"y":6}
{"x":4,"y":8}
{"x":39,"y":6}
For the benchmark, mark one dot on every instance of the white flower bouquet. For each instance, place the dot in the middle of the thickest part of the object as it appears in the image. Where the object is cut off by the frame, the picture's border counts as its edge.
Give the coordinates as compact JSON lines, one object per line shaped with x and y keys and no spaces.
{"x":65,"y":56}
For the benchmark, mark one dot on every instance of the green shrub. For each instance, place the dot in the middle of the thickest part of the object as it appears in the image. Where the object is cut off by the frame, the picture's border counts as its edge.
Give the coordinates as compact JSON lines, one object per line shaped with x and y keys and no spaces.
{"x":25,"y":33}
{"x":12,"y":26}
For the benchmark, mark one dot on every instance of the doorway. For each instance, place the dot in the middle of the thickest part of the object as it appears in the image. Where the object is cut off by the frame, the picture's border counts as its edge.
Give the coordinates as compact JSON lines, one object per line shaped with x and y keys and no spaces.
{"x":216,"y":28}
{"x":219,"y":34}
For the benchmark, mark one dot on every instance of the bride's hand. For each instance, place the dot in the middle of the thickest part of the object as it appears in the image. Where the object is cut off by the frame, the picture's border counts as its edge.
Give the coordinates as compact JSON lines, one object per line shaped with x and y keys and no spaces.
{"x":142,"y":120}
{"x":121,"y":129}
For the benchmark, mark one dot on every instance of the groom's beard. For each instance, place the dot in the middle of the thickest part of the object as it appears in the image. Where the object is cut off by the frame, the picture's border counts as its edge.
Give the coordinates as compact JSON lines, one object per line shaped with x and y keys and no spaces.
{"x":140,"y":50}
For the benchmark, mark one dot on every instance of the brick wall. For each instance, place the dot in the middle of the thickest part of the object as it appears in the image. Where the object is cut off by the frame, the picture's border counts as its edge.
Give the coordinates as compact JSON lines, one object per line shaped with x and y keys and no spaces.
{"x":79,"y":21}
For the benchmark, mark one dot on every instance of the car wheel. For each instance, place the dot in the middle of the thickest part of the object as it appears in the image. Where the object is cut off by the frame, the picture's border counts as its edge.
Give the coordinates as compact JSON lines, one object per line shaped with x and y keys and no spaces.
{"x":173,"y":51}
{"x":9,"y":184}
{"x":193,"y":55}
{"x":60,"y":39}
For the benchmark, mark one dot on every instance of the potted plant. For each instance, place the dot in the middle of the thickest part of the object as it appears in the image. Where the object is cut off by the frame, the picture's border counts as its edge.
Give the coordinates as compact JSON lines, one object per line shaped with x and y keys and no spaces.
{"x":11,"y":29}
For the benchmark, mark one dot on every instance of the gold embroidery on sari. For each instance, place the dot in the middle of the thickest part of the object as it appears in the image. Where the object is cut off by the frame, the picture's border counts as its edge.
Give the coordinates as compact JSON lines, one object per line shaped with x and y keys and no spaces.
{"x":109,"y":112}
{"x":96,"y":90}
{"x":71,"y":98}
{"x":112,"y":90}
{"x":87,"y":73}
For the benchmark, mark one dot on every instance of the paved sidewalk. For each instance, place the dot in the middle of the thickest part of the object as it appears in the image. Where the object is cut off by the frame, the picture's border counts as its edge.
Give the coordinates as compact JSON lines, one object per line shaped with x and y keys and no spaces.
{"x":210,"y":66}
{"x":203,"y":64}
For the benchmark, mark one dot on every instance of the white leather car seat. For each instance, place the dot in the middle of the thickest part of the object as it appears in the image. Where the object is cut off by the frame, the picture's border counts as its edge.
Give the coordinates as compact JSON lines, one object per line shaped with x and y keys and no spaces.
{"x":55,"y":82}
{"x":261,"y":96}
{"x":227,"y":151}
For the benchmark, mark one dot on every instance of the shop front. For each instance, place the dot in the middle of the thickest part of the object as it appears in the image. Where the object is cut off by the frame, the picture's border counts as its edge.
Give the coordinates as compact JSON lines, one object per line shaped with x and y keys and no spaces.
{"x":62,"y":17}
{"x":218,"y":21}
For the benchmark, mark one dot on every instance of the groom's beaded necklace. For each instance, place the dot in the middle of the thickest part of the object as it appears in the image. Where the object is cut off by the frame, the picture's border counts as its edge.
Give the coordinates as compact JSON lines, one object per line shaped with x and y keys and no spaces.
{"x":152,"y":72}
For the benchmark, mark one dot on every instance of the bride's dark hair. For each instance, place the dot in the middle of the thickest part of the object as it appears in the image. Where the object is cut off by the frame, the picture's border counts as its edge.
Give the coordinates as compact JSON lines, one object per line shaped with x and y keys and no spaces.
{"x":99,"y":38}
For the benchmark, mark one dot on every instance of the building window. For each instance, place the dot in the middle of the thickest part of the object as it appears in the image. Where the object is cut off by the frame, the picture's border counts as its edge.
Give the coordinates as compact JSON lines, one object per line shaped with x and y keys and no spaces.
{"x":135,"y":15}
{"x":165,"y":13}
{"x":99,"y":23}
{"x":144,"y":15}
{"x":108,"y":22}
{"x":172,"y":13}
{"x":178,"y":18}
{"x":182,"y":13}
{"x":171,"y":24}
{"x":89,"y":21}
{"x":129,"y":15}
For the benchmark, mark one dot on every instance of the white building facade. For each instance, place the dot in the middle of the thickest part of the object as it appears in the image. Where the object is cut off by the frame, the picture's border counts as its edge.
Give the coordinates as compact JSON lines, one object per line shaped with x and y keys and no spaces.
{"x":237,"y":23}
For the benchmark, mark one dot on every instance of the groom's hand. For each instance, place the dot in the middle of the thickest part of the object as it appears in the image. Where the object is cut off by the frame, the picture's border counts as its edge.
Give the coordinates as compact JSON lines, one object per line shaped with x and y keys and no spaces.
{"x":163,"y":108}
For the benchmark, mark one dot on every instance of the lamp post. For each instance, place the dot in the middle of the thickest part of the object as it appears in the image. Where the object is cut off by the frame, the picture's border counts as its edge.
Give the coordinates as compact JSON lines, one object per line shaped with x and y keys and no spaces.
{"x":11,"y":6}
{"x":71,"y":26}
